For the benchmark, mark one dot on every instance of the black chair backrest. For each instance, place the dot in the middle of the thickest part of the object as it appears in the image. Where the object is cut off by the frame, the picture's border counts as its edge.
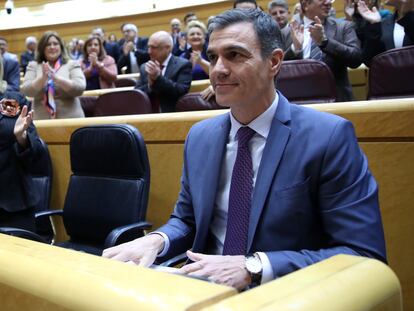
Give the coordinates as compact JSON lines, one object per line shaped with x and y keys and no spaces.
{"x":124,"y":82}
{"x":306,"y":81}
{"x":109,"y":186}
{"x":193,"y":101}
{"x":88,"y":104}
{"x":123,"y":103}
{"x":42,"y":172}
{"x":391,"y":74}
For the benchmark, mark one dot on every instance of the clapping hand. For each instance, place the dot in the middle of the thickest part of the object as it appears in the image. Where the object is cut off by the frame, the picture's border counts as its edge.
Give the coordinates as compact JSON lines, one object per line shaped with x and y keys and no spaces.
{"x":349,"y":9}
{"x":153,"y":70}
{"x":316,"y":31}
{"x":296,"y":32}
{"x":22,"y":124}
{"x":371,"y":16}
{"x":93,"y":59}
{"x":195,"y":57}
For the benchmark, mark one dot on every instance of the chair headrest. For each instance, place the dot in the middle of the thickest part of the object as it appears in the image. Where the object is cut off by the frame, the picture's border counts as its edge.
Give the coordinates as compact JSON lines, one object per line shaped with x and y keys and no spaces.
{"x":390,"y":74}
{"x":115,"y":150}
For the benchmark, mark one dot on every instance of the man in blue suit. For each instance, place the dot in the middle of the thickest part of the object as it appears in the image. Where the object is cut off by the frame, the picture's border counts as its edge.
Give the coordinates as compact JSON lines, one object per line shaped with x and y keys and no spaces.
{"x":303,"y":180}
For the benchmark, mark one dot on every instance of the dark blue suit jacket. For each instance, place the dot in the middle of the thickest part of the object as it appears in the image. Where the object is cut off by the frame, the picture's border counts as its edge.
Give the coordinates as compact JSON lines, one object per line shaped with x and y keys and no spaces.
{"x":11,"y":72}
{"x":314,"y":195}
{"x":141,"y":53}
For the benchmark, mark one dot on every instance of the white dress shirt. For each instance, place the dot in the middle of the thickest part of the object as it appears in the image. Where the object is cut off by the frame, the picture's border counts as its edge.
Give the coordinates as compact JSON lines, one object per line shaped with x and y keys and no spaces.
{"x":399,"y":34}
{"x":307,"y":40}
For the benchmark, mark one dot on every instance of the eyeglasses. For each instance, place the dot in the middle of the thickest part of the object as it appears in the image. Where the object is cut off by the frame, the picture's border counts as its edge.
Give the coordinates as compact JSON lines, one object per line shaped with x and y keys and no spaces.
{"x":9,"y":107}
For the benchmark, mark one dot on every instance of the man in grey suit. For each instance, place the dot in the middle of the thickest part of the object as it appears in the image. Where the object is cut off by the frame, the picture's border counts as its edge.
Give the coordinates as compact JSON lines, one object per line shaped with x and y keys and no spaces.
{"x":327,"y":39}
{"x":270,"y":187}
{"x":11,"y":67}
{"x":279,"y":10}
{"x":165,"y":77}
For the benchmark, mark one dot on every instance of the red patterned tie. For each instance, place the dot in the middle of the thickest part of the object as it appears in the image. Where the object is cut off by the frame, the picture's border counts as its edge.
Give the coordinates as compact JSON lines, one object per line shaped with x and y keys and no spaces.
{"x":240,"y":198}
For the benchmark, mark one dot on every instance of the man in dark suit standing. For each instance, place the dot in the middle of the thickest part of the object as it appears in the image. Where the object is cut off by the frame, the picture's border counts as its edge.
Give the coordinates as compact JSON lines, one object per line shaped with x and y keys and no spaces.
{"x":329,"y":40}
{"x":270,"y":187}
{"x":29,"y":54}
{"x":133,"y":50}
{"x":164,"y":77}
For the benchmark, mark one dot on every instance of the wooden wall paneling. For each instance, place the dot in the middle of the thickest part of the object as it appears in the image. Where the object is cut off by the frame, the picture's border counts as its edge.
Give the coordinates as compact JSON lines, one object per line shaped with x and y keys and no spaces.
{"x":148,"y":23}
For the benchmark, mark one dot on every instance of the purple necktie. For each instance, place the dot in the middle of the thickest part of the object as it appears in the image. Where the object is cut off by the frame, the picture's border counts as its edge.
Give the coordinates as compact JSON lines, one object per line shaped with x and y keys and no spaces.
{"x":240,"y":198}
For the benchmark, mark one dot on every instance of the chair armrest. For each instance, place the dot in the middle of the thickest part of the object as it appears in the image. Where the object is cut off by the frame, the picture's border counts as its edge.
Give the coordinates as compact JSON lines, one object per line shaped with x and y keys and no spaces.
{"x":126,"y":233}
{"x":181,"y":258}
{"x":49,"y":213}
{"x":21,"y":233}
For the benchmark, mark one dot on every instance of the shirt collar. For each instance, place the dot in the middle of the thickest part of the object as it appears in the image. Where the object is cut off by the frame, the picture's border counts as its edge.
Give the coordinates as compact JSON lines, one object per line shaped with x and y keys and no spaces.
{"x":165,"y":63}
{"x":261,"y":125}
{"x":307,"y":22}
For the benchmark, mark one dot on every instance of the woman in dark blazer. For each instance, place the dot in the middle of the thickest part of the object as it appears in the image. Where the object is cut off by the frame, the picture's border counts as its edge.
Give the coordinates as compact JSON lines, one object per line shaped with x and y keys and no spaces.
{"x":19,"y":148}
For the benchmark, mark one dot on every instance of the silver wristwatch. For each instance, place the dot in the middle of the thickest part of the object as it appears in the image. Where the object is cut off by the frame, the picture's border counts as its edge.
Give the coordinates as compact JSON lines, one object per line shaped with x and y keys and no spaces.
{"x":254,"y":268}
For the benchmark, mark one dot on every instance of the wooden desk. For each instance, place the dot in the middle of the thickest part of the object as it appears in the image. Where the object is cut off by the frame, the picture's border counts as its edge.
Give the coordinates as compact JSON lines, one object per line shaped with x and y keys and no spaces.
{"x":35,"y":276}
{"x":341,"y":282}
{"x":385,"y":130}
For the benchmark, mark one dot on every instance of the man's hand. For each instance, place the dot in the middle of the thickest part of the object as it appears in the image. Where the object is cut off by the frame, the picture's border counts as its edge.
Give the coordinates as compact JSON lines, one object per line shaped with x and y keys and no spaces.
{"x":22,"y":124}
{"x":296,"y":32}
{"x":142,"y":251}
{"x":371,"y":16}
{"x":128,"y":47}
{"x":225,"y":270}
{"x":317,"y":33}
{"x":153,"y":70}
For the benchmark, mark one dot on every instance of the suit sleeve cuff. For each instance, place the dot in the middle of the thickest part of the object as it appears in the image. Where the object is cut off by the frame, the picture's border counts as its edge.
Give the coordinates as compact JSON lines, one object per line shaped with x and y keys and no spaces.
{"x":166,"y":243}
{"x":267,"y":273}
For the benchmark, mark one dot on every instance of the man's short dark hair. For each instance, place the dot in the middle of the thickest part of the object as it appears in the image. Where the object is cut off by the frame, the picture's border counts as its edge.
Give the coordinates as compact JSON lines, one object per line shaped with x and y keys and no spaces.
{"x":236,"y":2}
{"x":267,"y":30}
{"x":281,"y":3}
{"x":186,"y":16}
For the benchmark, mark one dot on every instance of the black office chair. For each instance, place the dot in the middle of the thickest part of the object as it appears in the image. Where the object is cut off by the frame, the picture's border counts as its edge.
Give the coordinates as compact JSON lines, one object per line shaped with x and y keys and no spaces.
{"x":41,"y":173}
{"x":107,"y":196}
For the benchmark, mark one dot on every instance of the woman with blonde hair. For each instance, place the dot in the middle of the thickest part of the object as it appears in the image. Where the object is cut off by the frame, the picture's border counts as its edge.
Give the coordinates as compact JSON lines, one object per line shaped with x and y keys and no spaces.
{"x":196,"y":38}
{"x":54,"y":80}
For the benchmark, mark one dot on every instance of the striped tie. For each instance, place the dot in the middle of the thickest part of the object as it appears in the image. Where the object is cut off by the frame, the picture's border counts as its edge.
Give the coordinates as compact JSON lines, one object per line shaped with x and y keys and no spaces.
{"x":315,"y":52}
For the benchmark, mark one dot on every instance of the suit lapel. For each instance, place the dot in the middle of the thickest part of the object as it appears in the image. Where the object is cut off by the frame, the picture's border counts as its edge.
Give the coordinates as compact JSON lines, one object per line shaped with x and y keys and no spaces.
{"x":213,"y":157}
{"x":388,"y":32}
{"x":170,"y":67}
{"x":330,"y":28}
{"x":275,"y":145}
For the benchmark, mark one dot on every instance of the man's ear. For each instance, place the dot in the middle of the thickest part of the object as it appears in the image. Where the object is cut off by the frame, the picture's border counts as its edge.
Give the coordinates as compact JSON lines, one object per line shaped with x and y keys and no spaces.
{"x":276,"y":61}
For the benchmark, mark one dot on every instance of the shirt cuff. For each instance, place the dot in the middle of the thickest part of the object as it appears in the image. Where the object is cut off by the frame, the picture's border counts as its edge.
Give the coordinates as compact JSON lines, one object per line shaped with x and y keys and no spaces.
{"x":166,"y":243}
{"x":267,"y":273}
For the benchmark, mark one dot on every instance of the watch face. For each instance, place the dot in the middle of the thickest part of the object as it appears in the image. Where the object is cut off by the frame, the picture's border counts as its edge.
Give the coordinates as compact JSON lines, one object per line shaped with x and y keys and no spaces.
{"x":253,"y":265}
